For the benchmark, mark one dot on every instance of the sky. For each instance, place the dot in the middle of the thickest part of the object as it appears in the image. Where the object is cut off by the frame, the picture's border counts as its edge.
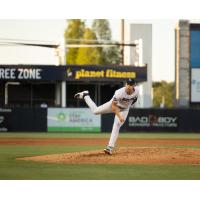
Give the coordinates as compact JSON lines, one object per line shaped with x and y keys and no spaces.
{"x":52,"y":30}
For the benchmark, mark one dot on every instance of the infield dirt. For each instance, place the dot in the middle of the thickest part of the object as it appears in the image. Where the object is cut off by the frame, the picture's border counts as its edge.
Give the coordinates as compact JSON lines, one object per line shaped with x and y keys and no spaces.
{"x":129,"y":155}
{"x":131,"y":151}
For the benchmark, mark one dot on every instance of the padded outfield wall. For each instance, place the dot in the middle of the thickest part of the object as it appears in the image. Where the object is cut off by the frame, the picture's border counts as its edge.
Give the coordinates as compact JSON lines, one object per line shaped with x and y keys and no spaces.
{"x":157,"y":120}
{"x":82,"y":120}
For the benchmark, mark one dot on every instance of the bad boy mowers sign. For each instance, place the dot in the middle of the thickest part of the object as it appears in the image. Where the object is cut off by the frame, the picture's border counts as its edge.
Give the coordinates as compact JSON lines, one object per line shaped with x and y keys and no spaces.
{"x":152,"y":120}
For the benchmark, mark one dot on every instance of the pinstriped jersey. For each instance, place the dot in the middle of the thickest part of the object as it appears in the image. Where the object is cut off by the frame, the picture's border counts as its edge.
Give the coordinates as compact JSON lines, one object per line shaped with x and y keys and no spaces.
{"x":125,"y":100}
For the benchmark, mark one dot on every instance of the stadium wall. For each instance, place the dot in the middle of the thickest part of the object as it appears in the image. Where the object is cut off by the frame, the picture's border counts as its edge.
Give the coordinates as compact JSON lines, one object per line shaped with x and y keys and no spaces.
{"x":82,"y":120}
{"x":157,"y":120}
{"x":23,"y":120}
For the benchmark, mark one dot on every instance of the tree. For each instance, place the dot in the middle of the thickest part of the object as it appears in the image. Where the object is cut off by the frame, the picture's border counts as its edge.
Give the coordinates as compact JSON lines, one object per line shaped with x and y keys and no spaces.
{"x":74,"y":30}
{"x":163,"y":91}
{"x":88,"y":55}
{"x":102,"y":29}
{"x":77,"y":30}
{"x":109,"y":55}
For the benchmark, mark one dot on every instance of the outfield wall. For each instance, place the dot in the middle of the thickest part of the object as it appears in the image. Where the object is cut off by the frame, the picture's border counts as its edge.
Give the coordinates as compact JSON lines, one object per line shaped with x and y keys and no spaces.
{"x":82,"y":120}
{"x":157,"y":120}
{"x":23,"y":119}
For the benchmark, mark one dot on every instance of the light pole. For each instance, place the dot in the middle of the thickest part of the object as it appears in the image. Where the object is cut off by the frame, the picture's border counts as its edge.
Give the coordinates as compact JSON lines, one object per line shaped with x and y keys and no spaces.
{"x":60,"y":90}
{"x":122,"y":41}
{"x":63,"y":62}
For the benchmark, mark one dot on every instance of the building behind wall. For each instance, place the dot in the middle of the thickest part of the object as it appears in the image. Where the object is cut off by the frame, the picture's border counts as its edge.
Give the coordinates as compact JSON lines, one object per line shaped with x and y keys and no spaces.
{"x":144,"y":32}
{"x":187,"y":66}
{"x":182,"y":72}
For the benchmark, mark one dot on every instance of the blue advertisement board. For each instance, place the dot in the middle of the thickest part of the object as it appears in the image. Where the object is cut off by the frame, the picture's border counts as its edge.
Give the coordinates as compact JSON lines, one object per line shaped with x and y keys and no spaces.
{"x":195,"y":46}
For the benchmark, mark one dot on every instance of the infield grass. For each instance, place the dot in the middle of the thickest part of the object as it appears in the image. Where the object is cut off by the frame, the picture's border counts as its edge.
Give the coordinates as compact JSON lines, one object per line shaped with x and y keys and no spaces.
{"x":12,"y":169}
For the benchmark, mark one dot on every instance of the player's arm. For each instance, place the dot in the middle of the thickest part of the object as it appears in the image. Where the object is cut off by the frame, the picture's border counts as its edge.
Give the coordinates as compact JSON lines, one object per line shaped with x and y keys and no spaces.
{"x":116,"y":110}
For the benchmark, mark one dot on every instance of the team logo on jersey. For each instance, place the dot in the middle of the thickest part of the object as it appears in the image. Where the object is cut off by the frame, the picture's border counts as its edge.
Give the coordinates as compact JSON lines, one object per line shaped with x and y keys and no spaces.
{"x":125,"y":100}
{"x":131,"y":99}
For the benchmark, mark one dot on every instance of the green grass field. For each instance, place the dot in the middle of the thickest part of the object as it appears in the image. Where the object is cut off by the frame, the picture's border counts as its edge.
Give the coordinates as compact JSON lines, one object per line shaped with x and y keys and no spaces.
{"x":12,"y":169}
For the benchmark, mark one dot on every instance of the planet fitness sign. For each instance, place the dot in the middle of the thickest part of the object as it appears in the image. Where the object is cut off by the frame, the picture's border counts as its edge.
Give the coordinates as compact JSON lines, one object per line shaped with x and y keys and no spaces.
{"x":105,"y":73}
{"x":97,"y":73}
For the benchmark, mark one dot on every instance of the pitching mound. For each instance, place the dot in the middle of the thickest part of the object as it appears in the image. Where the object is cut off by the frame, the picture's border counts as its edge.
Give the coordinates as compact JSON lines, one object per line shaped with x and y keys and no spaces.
{"x":136,"y":155}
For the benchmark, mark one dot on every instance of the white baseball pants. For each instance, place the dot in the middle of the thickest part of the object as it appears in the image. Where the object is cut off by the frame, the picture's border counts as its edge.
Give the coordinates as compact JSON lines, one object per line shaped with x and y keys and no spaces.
{"x":107,"y":108}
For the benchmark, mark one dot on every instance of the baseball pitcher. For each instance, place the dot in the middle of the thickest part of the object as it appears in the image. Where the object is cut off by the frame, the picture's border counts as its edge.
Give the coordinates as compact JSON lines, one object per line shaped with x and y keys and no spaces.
{"x":119,"y":104}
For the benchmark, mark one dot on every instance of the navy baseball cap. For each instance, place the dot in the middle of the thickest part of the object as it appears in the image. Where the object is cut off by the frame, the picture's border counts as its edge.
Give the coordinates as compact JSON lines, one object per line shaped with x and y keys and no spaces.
{"x":131,"y":81}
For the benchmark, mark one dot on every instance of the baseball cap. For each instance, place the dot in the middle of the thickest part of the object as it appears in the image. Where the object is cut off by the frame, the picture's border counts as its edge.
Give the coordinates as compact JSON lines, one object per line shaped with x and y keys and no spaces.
{"x":131,"y":81}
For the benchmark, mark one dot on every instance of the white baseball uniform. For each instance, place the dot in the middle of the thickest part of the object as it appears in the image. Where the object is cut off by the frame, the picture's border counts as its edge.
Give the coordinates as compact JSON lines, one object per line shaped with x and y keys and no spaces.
{"x":124,"y":102}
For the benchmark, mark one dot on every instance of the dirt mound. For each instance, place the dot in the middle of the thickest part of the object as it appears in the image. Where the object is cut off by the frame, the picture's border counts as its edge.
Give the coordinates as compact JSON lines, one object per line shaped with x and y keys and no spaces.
{"x":129,"y":155}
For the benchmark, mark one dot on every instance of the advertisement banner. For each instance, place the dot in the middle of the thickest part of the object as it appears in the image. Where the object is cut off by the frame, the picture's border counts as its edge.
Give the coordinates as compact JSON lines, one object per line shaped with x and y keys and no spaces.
{"x":73,"y":120}
{"x":195,"y":85}
{"x":105,"y":73}
{"x":32,"y":72}
{"x":156,"y":120}
{"x":97,"y":73}
{"x":153,"y":120}
{"x":194,"y":45}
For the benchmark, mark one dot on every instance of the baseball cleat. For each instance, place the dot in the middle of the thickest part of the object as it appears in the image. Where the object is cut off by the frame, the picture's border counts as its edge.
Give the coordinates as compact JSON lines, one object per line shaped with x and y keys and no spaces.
{"x":81,"y":95}
{"x":108,"y":150}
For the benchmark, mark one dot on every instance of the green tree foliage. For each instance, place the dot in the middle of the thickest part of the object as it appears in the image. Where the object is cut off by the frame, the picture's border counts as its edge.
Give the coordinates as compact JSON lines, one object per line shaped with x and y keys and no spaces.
{"x":75,"y":30}
{"x":163,"y":90}
{"x":109,"y":55}
{"x":100,"y":30}
{"x":88,"y":55}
